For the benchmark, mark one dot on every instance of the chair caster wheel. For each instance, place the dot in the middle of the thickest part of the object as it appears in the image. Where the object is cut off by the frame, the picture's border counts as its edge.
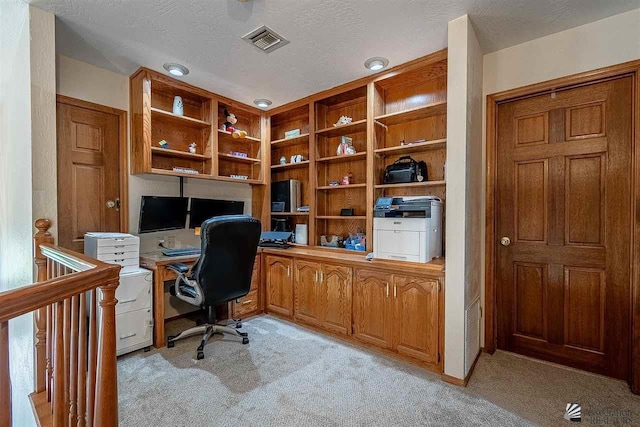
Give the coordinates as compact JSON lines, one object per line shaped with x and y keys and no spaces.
{"x":238,"y":325}
{"x":170,"y":344}
{"x":243,"y":334}
{"x":245,"y":340}
{"x":200,"y":355}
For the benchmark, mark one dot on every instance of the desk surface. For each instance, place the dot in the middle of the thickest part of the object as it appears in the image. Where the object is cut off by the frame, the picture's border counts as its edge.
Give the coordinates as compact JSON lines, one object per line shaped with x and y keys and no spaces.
{"x":155,"y":258}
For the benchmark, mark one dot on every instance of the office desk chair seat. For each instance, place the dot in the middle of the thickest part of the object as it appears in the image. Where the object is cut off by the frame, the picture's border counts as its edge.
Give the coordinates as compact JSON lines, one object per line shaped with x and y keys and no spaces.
{"x":221,"y":274}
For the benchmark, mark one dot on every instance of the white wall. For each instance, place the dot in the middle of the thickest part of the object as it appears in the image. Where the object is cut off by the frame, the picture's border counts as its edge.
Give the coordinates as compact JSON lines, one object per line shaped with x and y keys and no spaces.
{"x":27,"y":135}
{"x":464,"y":166}
{"x":610,"y":41}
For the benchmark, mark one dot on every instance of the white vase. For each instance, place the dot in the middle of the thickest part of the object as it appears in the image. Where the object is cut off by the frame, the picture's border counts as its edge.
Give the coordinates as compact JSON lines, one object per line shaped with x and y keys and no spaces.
{"x":178,"y":108}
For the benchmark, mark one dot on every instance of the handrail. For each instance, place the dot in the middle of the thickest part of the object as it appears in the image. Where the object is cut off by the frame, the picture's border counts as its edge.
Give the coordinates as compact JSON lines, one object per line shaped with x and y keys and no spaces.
{"x":90,"y":274}
{"x":73,"y":302}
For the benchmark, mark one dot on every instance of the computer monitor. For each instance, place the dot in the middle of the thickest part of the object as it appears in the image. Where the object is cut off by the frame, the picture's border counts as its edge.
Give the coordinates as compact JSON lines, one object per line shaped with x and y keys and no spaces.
{"x":203,"y":209}
{"x":159,"y":213}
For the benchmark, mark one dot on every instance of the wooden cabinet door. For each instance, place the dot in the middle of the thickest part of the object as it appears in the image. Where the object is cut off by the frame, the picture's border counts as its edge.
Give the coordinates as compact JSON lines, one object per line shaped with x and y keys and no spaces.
{"x":306,"y":282}
{"x":415,"y":320}
{"x":372,"y":307}
{"x":279,"y":285}
{"x":335,"y":298}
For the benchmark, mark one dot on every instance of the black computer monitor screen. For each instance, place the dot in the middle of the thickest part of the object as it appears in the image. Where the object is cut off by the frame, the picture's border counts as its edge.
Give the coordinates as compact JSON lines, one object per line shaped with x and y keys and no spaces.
{"x":162,"y":213}
{"x":203,"y":209}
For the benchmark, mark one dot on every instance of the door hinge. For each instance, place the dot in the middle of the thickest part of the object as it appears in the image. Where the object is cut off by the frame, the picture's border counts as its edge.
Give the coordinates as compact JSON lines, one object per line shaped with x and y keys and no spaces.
{"x":438,"y":358}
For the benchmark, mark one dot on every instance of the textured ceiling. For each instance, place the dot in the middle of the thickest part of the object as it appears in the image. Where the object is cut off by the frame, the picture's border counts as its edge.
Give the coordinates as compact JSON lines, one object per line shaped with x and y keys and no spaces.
{"x":330,"y":39}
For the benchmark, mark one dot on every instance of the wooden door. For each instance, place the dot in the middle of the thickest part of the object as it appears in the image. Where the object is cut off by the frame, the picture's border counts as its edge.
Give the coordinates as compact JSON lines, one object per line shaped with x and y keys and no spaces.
{"x":306,"y":282}
{"x":279,"y":285}
{"x":415,"y":317}
{"x":335,"y":298}
{"x":372,"y":307}
{"x":564,"y":216}
{"x":88,"y":141}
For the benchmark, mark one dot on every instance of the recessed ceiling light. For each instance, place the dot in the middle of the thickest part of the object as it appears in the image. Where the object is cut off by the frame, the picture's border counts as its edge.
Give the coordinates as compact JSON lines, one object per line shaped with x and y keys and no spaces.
{"x":262,"y":103}
{"x":176,"y":69}
{"x":376,"y":64}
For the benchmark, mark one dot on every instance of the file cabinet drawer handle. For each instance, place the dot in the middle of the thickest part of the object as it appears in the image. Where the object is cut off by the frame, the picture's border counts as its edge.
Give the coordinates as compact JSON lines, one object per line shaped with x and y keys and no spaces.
{"x":128,"y":300}
{"x":124,"y":337}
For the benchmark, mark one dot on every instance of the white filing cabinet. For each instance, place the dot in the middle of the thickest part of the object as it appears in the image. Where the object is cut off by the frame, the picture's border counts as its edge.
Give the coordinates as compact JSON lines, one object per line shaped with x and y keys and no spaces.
{"x":134,"y":311}
{"x":114,"y":248}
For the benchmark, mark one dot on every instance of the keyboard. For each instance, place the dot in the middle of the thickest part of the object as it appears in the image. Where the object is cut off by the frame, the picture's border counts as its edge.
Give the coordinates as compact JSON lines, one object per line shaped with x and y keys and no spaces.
{"x":181,"y":252}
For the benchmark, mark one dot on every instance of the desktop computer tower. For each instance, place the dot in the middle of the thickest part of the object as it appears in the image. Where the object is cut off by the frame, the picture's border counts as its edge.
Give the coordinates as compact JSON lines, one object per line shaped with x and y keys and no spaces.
{"x":287,"y":192}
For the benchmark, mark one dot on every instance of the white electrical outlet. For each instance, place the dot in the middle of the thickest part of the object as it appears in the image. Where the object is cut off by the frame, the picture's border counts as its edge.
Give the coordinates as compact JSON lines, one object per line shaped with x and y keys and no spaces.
{"x":171,"y":241}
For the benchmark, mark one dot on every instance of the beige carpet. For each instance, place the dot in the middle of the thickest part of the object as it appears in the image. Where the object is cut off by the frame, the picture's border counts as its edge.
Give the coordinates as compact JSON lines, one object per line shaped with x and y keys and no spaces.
{"x":289,"y":376}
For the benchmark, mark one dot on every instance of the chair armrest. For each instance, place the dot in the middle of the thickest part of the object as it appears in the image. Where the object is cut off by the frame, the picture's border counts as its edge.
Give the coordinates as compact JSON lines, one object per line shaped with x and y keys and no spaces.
{"x":178,"y":267}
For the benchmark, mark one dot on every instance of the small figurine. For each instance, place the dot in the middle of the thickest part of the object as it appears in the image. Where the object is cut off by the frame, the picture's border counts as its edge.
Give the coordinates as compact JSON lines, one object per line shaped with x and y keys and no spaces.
{"x":229,"y":125}
{"x":192,"y":148}
{"x":283,"y":160}
{"x":343,"y":120}
{"x":163,"y":144}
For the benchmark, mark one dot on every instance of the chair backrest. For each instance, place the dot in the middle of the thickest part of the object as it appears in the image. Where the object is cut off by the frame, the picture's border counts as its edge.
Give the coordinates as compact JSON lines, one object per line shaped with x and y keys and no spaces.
{"x":229,"y":246}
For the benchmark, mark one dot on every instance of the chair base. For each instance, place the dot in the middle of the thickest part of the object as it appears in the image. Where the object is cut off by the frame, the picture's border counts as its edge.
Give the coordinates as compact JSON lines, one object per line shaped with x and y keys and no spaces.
{"x":207,"y":330}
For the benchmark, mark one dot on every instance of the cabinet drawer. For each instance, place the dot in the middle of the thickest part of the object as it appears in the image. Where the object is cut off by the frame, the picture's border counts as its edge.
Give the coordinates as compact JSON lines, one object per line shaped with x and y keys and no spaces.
{"x":134,"y":329}
{"x":118,"y":241}
{"x":133,"y":294}
{"x":120,"y":257}
{"x":246,"y":304}
{"x":400,"y":224}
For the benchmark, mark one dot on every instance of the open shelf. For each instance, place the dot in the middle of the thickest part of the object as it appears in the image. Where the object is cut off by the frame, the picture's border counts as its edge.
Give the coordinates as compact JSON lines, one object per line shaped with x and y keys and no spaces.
{"x":226,"y":134}
{"x":412,"y":184}
{"x":341,"y":187}
{"x":302,"y":164}
{"x":353,"y":127}
{"x":238,"y":158}
{"x":346,"y":218}
{"x":285,"y":142}
{"x":417,"y":113}
{"x":181,"y":120}
{"x":179,"y":154}
{"x":344,"y":158}
{"x":413,"y":148}
{"x":290,"y":213}
{"x":229,"y":179}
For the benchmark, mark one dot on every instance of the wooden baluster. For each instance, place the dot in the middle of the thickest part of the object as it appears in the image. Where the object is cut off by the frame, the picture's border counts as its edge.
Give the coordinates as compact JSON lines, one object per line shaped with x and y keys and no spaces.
{"x":73,"y":363}
{"x":82,"y":363}
{"x":49,"y":350}
{"x":59,"y":410}
{"x":40,"y":316}
{"x":67,"y":351}
{"x":106,"y":413}
{"x":93,"y":356}
{"x":5,"y":380}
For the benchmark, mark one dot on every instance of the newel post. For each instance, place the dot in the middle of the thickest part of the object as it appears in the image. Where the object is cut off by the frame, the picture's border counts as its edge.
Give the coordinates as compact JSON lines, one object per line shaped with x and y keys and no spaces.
{"x":40,"y":316}
{"x":106,"y":403}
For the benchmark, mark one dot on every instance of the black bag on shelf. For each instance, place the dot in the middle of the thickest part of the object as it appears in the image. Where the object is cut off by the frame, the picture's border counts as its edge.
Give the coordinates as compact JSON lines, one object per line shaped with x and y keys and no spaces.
{"x":405,"y":170}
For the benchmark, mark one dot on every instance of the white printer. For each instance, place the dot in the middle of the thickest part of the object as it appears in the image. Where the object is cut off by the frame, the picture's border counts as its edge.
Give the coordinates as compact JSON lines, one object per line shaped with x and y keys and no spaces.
{"x":407,"y":228}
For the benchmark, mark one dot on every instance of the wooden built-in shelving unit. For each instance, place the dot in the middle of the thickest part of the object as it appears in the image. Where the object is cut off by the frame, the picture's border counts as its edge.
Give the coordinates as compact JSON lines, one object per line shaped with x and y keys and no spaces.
{"x":406,"y":104}
{"x":152,"y":121}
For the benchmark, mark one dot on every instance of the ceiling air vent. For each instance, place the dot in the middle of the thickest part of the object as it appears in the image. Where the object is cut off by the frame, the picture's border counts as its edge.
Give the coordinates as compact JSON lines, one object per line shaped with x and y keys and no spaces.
{"x":265,"y":39}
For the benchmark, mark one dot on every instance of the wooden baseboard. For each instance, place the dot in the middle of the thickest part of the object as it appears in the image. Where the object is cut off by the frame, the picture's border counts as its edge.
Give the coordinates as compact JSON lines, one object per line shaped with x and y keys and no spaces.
{"x":458,"y":381}
{"x":350,"y":339}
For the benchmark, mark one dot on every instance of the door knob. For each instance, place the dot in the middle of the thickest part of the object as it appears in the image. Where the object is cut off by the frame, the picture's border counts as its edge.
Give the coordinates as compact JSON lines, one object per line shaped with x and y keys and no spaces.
{"x":113,"y":204}
{"x":505,"y":241}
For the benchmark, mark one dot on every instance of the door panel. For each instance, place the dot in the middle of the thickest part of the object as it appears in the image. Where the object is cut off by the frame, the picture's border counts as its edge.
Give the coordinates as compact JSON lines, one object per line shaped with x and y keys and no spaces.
{"x":335,"y":298}
{"x":372,"y":308}
{"x":306,"y":305}
{"x":564,"y":200}
{"x":415,"y":322}
{"x":88,"y":166}
{"x":279,"y":285}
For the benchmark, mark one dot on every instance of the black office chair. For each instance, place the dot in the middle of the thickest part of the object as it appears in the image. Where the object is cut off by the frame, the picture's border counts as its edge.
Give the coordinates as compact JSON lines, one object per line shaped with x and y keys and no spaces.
{"x":221,"y":274}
